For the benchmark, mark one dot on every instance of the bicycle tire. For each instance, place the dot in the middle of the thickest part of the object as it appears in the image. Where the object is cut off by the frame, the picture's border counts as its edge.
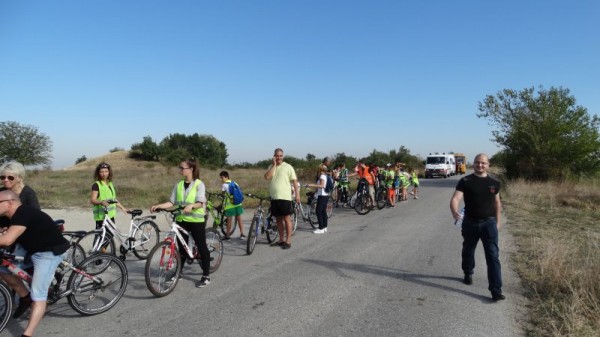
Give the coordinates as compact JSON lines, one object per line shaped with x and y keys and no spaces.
{"x":362,"y":205}
{"x":252,"y":236}
{"x":146,"y":235}
{"x":223,"y":225}
{"x":381,"y":198}
{"x":329,"y":208}
{"x":271,"y":230}
{"x":333,"y":196}
{"x":294,"y":222}
{"x":215,"y":248}
{"x":312,"y":214}
{"x":163,"y":268}
{"x":87,"y":242}
{"x":89,"y":297}
{"x":5,"y":305}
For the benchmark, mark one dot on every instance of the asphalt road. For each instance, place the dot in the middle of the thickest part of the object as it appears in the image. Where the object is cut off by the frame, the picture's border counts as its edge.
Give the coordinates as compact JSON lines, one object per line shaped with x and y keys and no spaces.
{"x":393,"y":272}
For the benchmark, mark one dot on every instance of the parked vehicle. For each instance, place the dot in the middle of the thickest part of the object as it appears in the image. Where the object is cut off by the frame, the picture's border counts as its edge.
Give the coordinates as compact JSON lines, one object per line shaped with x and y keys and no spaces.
{"x":440,"y":165}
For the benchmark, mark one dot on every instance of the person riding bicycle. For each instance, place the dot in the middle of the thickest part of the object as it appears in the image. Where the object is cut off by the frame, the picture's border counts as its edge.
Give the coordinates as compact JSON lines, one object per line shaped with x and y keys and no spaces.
{"x":46,"y":247}
{"x":190,"y":194}
{"x":231,"y":211}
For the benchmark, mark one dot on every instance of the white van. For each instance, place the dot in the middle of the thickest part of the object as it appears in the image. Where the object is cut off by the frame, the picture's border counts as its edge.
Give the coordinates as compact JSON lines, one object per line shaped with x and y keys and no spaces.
{"x":440,"y":165}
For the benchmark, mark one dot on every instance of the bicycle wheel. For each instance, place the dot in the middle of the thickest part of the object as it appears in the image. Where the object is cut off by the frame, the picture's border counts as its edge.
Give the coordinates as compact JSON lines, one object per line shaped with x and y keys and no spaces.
{"x":381,"y":198}
{"x":223,"y":225}
{"x":363,"y":204}
{"x":146,"y":235}
{"x":90,"y":245}
{"x":312,"y":214}
{"x":163,"y":268}
{"x":5,"y":305}
{"x":334,"y":195}
{"x":252,"y":236}
{"x":352,"y":201}
{"x":271,"y":230}
{"x":93,"y":290}
{"x":329,"y":208}
{"x":215,"y":247}
{"x":294,"y":222}
{"x":74,"y":256}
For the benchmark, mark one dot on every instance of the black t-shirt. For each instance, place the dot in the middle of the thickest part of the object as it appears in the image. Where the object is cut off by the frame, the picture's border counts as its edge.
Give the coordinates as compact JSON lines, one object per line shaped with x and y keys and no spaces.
{"x":41,"y":233}
{"x":480,"y":195}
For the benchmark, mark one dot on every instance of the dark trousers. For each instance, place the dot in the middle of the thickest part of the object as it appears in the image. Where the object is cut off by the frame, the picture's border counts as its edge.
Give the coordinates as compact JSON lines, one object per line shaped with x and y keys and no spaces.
{"x":321,"y":210}
{"x":485,"y":230}
{"x":198,"y":231}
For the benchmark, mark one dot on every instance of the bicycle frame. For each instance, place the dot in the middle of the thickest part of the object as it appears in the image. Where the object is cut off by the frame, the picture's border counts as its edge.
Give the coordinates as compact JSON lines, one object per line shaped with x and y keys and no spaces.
{"x":125,"y":239}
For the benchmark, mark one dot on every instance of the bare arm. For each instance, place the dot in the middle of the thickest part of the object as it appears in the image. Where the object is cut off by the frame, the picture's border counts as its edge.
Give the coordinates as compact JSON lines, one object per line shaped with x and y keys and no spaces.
{"x":271,"y":170}
{"x":10,"y":235}
{"x":454,"y":202}
{"x":498,"y":205}
{"x":296,"y":190}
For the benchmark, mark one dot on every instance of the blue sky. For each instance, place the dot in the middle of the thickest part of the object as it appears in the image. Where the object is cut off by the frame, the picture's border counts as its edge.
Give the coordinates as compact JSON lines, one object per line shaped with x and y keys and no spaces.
{"x":312,"y":76}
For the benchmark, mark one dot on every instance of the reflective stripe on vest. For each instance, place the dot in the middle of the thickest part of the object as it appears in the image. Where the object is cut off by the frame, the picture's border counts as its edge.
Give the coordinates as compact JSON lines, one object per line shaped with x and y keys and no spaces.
{"x":186,"y":197}
{"x":105,"y":192}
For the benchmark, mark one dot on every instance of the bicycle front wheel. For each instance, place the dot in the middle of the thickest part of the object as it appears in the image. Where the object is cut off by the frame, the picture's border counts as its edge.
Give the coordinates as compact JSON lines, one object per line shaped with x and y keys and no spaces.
{"x":92,"y":243}
{"x":146,"y":235}
{"x":5,"y":305}
{"x":363,"y":204}
{"x":163,"y":268}
{"x":312,"y":214}
{"x":252,"y":236}
{"x":93,"y":290}
{"x":215,"y":248}
{"x":381,"y":198}
{"x":294,"y":222}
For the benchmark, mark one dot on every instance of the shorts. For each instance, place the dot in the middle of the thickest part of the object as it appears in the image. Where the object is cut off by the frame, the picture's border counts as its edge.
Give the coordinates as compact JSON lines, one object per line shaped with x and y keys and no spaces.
{"x":234,"y":211}
{"x":281,"y":207}
{"x":44,"y":265}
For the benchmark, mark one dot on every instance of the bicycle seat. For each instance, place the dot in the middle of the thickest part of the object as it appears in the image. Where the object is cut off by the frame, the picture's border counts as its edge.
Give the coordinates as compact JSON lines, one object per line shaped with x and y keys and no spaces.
{"x":135,"y":212}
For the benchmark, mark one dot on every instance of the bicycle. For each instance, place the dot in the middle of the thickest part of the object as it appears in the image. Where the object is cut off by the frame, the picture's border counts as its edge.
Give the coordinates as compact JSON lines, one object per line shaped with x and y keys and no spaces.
{"x":381,"y":197}
{"x":143,"y":235}
{"x":309,"y":210}
{"x":90,"y":289}
{"x":364,"y":202}
{"x":218,"y":213}
{"x":262,"y":222}
{"x":163,"y":266}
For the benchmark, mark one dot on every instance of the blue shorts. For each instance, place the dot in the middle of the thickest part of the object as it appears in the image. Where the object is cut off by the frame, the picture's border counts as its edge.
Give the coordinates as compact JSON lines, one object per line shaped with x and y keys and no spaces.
{"x":44,"y":266}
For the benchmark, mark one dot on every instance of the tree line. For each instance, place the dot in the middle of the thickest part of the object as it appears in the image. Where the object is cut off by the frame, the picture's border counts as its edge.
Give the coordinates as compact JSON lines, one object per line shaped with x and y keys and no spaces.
{"x":543,"y":135}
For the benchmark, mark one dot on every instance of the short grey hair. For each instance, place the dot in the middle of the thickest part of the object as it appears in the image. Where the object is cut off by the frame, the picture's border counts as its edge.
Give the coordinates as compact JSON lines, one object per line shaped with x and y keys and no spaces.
{"x":13,"y":167}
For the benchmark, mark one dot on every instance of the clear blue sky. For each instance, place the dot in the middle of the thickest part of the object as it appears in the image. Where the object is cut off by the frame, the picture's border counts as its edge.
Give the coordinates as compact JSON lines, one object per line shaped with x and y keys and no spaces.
{"x":312,"y":76}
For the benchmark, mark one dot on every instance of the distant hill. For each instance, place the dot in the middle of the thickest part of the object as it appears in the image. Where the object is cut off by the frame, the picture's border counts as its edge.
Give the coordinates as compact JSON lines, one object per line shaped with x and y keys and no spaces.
{"x":117,"y":159}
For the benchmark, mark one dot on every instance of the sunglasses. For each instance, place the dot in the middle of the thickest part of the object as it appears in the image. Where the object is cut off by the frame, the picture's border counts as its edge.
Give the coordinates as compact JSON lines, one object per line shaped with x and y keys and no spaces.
{"x":11,"y":178}
{"x":104,"y":166}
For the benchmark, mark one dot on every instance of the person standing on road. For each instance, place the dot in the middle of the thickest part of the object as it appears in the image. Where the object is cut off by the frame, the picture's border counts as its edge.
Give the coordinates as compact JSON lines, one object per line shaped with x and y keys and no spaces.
{"x":322,"y":199}
{"x":39,"y":235}
{"x":481,"y":222}
{"x":414,"y":180}
{"x":281,"y":174}
{"x":103,"y":191}
{"x":232,"y":212}
{"x":190,"y":195}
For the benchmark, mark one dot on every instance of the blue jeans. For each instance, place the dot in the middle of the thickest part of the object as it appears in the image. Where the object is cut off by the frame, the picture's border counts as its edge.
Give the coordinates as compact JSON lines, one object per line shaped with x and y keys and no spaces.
{"x":44,"y":266}
{"x":485,"y":230}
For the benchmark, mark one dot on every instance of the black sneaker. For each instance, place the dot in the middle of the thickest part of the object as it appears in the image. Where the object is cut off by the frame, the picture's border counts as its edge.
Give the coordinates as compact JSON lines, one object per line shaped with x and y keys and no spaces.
{"x":286,"y":246}
{"x":498,"y":297}
{"x":24,"y":304}
{"x":226,"y":238}
{"x":204,"y":281}
{"x":468,"y":279}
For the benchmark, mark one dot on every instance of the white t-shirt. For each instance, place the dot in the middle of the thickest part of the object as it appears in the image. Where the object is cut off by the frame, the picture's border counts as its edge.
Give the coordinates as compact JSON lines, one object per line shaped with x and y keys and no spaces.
{"x":321,"y":191}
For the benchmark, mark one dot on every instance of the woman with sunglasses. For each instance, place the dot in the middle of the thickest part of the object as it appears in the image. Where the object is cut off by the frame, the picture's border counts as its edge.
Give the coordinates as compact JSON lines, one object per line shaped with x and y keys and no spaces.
{"x":12,"y":176}
{"x":102,"y":192}
{"x":190,"y":194}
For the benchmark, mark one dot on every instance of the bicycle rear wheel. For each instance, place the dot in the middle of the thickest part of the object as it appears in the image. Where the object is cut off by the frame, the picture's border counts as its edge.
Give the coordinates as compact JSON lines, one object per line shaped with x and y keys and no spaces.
{"x":94,"y":290}
{"x":91,"y":245}
{"x":381,"y":197}
{"x":294,"y":222}
{"x":329,"y":208}
{"x":5,"y":305}
{"x":252,"y":236}
{"x":215,"y":247}
{"x":312,"y":214}
{"x":271,"y":230}
{"x":163,"y":268}
{"x":147,"y":235}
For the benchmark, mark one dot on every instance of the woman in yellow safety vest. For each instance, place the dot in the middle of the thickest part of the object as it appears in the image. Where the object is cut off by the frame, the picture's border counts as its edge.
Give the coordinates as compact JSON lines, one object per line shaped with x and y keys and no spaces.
{"x":190,"y":194}
{"x":103,"y":191}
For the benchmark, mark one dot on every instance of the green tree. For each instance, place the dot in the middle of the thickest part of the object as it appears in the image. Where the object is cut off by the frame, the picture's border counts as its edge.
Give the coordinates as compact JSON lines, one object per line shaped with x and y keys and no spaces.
{"x":205,"y":148}
{"x":544,"y":135}
{"x":147,"y":150}
{"x":25,"y":144}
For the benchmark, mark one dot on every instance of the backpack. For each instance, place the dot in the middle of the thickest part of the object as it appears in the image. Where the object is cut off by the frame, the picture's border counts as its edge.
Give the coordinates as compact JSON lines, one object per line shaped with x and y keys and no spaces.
{"x":328,"y":184}
{"x":236,"y":192}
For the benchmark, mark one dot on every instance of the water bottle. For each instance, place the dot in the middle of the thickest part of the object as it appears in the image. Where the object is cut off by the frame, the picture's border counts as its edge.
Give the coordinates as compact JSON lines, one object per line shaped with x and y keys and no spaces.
{"x":458,"y":223}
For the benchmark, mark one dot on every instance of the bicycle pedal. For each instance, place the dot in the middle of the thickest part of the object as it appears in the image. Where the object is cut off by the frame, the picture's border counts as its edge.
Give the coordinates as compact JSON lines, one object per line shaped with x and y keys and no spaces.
{"x":189,"y":261}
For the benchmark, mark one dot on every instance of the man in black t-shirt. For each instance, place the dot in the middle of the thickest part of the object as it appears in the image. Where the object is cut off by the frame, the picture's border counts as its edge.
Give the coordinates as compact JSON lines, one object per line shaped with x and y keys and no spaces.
{"x":481,"y":222}
{"x":46,"y":246}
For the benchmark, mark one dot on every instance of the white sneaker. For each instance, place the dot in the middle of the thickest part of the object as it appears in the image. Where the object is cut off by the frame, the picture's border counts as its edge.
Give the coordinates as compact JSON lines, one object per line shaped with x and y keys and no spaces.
{"x":325,"y":229}
{"x":319,"y":231}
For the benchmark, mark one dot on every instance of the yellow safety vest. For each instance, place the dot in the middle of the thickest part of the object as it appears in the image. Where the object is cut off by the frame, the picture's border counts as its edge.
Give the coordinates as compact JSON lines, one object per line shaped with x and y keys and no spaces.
{"x":105,"y":192}
{"x":185,"y":197}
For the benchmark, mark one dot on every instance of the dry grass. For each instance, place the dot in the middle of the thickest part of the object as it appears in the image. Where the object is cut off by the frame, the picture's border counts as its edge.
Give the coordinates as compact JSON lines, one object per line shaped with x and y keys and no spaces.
{"x":557,"y":228}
